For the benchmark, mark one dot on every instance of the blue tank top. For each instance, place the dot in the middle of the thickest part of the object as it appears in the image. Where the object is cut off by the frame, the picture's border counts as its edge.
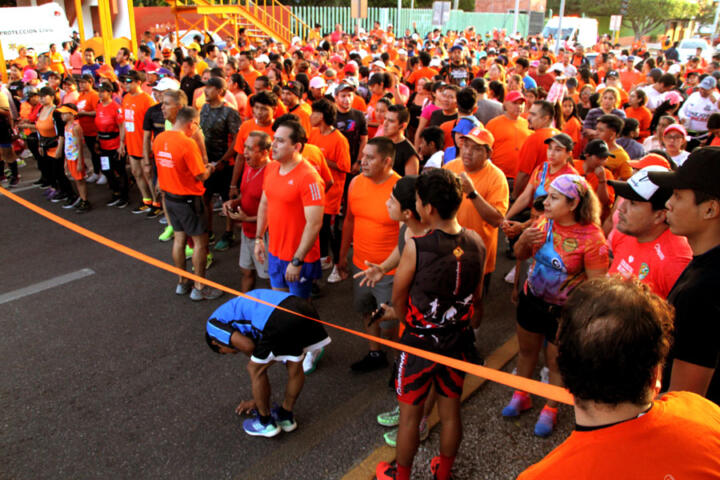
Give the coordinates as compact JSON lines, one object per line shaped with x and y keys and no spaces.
{"x":247,"y":316}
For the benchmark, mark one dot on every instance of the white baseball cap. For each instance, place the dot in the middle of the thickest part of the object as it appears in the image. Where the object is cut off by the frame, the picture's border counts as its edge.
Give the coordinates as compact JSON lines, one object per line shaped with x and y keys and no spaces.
{"x":317,"y":82}
{"x":167,"y":83}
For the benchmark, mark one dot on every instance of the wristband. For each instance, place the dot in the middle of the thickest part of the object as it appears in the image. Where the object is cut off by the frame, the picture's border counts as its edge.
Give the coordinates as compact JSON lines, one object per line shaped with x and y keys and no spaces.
{"x":472,"y":195}
{"x":233,"y":186}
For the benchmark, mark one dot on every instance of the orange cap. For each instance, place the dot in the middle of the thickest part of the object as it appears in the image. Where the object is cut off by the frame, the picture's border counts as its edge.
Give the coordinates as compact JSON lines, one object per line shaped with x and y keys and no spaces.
{"x":480,"y":136}
{"x":648,"y":160}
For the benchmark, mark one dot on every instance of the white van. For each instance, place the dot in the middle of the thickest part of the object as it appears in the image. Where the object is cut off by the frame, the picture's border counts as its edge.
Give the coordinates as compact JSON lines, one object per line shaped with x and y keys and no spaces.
{"x":575,"y":30}
{"x":33,"y":27}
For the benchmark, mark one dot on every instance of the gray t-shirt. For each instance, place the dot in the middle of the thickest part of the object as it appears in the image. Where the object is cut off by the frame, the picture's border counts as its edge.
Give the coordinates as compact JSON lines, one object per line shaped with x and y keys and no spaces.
{"x":488,"y":109}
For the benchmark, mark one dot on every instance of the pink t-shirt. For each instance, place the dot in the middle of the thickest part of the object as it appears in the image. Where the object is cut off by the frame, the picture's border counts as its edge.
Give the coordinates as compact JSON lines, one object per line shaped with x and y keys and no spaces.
{"x":428,"y":110}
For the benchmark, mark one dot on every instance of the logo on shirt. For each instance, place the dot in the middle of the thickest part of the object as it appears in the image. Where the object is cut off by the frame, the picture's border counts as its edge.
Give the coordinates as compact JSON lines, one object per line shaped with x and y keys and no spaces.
{"x":644,"y":271}
{"x":658,"y":250}
{"x":570,"y":244}
{"x":315,"y":192}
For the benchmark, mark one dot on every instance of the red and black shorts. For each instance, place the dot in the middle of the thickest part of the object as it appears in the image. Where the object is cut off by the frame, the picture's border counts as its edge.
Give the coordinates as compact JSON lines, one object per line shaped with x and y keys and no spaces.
{"x":415,"y":374}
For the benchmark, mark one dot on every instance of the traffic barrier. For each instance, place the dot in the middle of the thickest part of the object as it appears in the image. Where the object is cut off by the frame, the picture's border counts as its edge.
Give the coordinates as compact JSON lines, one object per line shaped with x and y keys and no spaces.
{"x":534,"y":387}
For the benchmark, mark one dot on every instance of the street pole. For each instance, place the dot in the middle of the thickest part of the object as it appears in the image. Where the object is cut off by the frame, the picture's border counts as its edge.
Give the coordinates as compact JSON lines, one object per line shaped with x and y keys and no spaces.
{"x":715,"y":25}
{"x":517,"y":15}
{"x":397,"y":22}
{"x":559,"y":30}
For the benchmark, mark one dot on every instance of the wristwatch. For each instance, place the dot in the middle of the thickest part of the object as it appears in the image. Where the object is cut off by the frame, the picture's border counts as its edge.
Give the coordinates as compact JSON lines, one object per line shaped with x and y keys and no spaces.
{"x":472,"y":195}
{"x":296,"y":262}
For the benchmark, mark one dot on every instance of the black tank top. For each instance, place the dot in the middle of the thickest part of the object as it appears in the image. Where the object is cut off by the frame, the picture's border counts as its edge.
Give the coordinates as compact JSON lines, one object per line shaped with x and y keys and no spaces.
{"x":447,"y":273}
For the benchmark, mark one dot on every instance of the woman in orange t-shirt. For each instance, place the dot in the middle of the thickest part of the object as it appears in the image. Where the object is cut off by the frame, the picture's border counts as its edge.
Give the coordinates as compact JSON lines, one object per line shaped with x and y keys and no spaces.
{"x":572,"y":125}
{"x":639,"y":112}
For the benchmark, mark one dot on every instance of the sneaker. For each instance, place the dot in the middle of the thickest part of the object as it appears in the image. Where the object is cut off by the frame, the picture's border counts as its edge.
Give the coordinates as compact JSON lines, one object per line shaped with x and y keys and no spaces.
{"x":253,"y":426}
{"x":510,"y":277}
{"x":326,"y":263}
{"x":391,"y":418}
{"x":545,"y":375}
{"x":13,"y":181}
{"x":335,"y":276}
{"x":189,"y":252}
{"x":163,"y":220}
{"x":49,"y":193}
{"x":519,"y":402}
{"x":114,"y":201}
{"x":211,"y":238}
{"x":71,"y":202}
{"x":82,"y":207}
{"x":142,"y":208}
{"x":154,"y":212}
{"x":434,"y":466}
{"x":58,"y":197}
{"x":92,"y":178}
{"x":370,"y":362}
{"x":102,"y":179}
{"x":206,"y":293}
{"x":167,"y":234}
{"x":386,"y":471}
{"x":225,"y":242}
{"x":546,"y":422}
{"x":286,"y":424}
{"x":182,"y":288}
{"x":123,"y":203}
{"x":391,"y":436}
{"x":311,"y":360}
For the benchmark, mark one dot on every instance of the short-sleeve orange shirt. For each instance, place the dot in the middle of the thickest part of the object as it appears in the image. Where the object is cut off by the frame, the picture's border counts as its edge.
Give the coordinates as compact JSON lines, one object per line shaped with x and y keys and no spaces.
{"x":534,"y":151}
{"x":375,"y":233}
{"x":314,"y":155}
{"x":133,"y":110}
{"x":336,"y":148}
{"x":87,"y":102}
{"x":287,"y":196}
{"x":179,"y":161}
{"x":244,"y":131}
{"x":509,"y":138}
{"x":491,"y":184}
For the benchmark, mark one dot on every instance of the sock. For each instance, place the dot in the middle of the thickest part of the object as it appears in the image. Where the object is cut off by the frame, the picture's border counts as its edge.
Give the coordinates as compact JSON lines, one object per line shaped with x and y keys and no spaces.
{"x":265,"y":419}
{"x":403,"y":472}
{"x":443,"y":471}
{"x":284,"y":414}
{"x":147,"y":201}
{"x":376,"y":353}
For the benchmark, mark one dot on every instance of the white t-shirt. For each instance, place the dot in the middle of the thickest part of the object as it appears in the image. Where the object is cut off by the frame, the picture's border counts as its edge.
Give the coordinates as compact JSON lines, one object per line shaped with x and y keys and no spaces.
{"x":654,"y":98}
{"x":435,"y":160}
{"x":680,"y":158}
{"x":695,"y":112}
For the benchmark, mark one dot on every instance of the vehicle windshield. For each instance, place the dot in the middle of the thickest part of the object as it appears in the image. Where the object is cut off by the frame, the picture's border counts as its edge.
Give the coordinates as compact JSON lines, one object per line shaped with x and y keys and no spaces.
{"x":693,"y":44}
{"x":566,"y":32}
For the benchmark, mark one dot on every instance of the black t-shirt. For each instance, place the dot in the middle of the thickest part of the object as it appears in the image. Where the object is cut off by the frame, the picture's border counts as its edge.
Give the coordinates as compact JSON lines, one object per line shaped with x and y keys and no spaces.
{"x":353,"y":125}
{"x":697,"y":317}
{"x":154,"y":120}
{"x":218,"y":125}
{"x":189,"y":84}
{"x":457,"y":74}
{"x":16,"y":90}
{"x":437,"y":118}
{"x":403,"y":152}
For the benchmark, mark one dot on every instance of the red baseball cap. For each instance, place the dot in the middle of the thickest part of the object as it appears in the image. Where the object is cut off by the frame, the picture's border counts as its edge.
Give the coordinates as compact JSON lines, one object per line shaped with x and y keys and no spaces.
{"x":514,"y":96}
{"x":480,"y":136}
{"x":651,"y":159}
{"x":676,"y":127}
{"x":350,"y":68}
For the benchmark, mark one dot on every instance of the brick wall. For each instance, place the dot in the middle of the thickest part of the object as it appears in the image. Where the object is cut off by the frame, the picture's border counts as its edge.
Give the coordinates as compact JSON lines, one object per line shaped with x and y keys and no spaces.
{"x":503,"y":6}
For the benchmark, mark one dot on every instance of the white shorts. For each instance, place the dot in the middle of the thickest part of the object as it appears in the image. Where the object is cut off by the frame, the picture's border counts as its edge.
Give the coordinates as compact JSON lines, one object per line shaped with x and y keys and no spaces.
{"x":247,"y":256}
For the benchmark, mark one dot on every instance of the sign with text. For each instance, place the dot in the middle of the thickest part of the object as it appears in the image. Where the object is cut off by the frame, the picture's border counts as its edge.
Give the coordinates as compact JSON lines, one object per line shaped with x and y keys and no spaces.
{"x":441,"y":13}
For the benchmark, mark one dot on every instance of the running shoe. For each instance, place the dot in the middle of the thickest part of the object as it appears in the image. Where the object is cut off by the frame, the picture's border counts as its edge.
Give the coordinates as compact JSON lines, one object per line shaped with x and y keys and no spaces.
{"x":182,"y":288}
{"x":123,"y":203}
{"x":206,"y":293}
{"x":71,"y":202}
{"x":83,"y":207}
{"x":434,"y":466}
{"x":519,"y":402}
{"x":311,"y":360}
{"x":391,"y":436}
{"x":92,"y":178}
{"x":335,"y":276}
{"x":286,"y":423}
{"x":114,"y":201}
{"x":142,"y":208}
{"x":59,"y":197}
{"x":209,"y":261}
{"x":163,"y":220}
{"x":370,"y":362}
{"x":386,"y":471}
{"x":154,"y":212}
{"x":391,"y":418}
{"x":253,"y":426}
{"x":13,"y":181}
{"x":102,"y":179}
{"x":49,"y":193}
{"x":546,"y":422}
{"x":189,"y":252}
{"x":167,"y":234}
{"x":326,"y":263}
{"x":225,"y":242}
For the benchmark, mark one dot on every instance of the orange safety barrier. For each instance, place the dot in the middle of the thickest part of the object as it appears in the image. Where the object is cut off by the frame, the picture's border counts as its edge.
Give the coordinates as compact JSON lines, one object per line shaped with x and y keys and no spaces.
{"x":551,"y":392}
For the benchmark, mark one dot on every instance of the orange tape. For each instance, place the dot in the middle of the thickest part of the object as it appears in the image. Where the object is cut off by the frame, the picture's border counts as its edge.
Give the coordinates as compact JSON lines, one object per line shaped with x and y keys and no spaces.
{"x":551,"y":392}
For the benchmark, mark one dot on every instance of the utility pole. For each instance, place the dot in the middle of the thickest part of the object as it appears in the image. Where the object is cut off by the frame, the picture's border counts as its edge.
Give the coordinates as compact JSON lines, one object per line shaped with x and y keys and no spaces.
{"x":715,"y":25}
{"x":559,"y":30}
{"x":517,"y":15}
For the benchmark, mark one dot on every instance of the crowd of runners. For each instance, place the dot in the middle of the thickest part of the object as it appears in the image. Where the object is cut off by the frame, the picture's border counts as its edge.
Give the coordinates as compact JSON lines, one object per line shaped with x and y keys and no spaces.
{"x":406,"y":162}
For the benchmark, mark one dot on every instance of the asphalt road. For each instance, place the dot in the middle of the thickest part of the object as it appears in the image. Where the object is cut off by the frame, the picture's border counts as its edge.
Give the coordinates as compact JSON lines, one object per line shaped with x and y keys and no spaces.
{"x":108,"y":376}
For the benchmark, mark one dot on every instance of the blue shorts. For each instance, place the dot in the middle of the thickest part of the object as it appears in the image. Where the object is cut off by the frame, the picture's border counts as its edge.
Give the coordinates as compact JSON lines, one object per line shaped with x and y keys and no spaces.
{"x":303,"y":287}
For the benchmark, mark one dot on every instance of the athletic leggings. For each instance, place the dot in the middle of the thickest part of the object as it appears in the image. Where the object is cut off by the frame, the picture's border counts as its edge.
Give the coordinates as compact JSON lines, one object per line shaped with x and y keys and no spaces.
{"x":58,"y":177}
{"x":116,"y":173}
{"x":330,"y":236}
{"x":94,"y":156}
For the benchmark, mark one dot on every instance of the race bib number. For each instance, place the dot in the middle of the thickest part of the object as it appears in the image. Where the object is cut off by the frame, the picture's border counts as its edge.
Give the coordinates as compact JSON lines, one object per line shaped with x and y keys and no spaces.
{"x":81,"y":104}
{"x":105,"y":163}
{"x":129,"y":127}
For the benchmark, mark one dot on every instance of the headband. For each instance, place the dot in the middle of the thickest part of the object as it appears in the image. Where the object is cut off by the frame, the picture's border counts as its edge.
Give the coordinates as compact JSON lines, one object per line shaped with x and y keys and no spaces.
{"x":572,"y":186}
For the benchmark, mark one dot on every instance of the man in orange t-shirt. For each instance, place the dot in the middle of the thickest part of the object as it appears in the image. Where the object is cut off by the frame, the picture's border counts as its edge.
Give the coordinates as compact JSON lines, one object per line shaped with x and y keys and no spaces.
{"x":486,"y":192}
{"x":373,"y":235}
{"x":534,"y":151}
{"x":291,"y":209}
{"x":621,"y":430}
{"x":263,"y":106}
{"x":425,"y":71}
{"x":134,"y":105}
{"x":291,"y":96}
{"x":86,"y":102}
{"x":181,"y":173}
{"x":510,"y":131}
{"x":246,"y":69}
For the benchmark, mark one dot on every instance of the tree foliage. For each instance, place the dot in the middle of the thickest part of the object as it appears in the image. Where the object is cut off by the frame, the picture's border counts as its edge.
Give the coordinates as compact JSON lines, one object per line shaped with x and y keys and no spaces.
{"x":643,"y":16}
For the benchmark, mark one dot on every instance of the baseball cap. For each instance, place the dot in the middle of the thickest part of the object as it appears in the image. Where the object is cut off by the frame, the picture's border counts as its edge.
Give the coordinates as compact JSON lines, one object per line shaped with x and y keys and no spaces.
{"x":612,"y":73}
{"x":86,"y":77}
{"x":68,"y":108}
{"x":562,"y":139}
{"x":350,"y":68}
{"x":29,"y":74}
{"x":330,"y":73}
{"x":640,"y":188}
{"x":708,"y":83}
{"x":167,"y":83}
{"x":193,"y":46}
{"x":598,"y":148}
{"x":317,"y":82}
{"x":293,"y":87}
{"x":480,"y":136}
{"x":262,"y":58}
{"x":675,"y":68}
{"x":379,"y":63}
{"x":514,"y":96}
{"x":105,"y":86}
{"x":435,"y":62}
{"x":464,"y":126}
{"x":675,"y":127}
{"x":344,"y":86}
{"x":216,"y":82}
{"x":337,"y":59}
{"x":649,"y":160}
{"x":455,"y":47}
{"x":701,"y":171}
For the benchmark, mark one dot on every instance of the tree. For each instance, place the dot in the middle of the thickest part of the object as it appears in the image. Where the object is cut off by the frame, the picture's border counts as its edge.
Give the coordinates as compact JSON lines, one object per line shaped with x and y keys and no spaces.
{"x":644,"y":16}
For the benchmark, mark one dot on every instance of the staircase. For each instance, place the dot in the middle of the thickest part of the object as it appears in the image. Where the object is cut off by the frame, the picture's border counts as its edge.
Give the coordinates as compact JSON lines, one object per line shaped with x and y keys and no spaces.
{"x":260,"y":18}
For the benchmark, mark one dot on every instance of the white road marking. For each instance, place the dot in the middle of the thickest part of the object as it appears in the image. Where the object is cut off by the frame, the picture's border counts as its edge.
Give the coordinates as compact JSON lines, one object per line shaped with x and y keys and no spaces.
{"x":45,"y":285}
